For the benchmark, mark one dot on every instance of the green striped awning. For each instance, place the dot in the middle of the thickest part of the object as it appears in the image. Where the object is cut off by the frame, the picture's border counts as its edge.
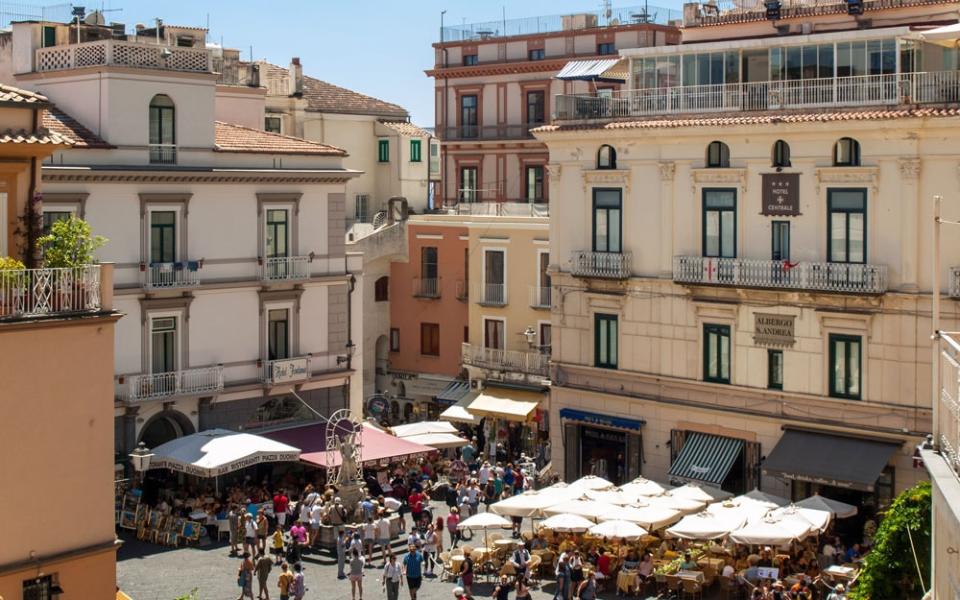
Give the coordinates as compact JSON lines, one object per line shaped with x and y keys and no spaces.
{"x":706,"y":458}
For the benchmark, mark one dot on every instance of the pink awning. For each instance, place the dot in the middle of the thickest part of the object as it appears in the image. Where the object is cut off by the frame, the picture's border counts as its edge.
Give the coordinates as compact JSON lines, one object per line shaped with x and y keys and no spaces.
{"x":378,"y":447}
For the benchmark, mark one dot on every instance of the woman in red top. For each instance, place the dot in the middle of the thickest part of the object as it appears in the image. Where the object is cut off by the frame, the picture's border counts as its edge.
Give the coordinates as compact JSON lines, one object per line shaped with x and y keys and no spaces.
{"x":280,"y":504}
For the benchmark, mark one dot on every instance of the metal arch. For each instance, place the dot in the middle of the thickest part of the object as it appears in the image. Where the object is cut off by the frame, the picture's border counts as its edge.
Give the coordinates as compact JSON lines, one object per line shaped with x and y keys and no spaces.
{"x":332,"y":437}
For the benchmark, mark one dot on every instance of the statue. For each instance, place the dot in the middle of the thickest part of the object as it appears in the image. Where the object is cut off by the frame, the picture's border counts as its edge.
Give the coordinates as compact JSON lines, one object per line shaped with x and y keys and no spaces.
{"x":348,"y":461}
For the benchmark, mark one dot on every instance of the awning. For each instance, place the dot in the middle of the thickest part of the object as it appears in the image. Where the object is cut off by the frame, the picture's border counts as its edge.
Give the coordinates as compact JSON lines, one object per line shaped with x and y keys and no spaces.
{"x":218,"y":452}
{"x":454,"y":391}
{"x":706,"y":458}
{"x":943,"y":36}
{"x":610,"y":422}
{"x":422,"y":428}
{"x":603,"y":69}
{"x":837,"y":460}
{"x":505,"y":403}
{"x":377,"y":447}
{"x":458,"y":412}
{"x":437,"y":440}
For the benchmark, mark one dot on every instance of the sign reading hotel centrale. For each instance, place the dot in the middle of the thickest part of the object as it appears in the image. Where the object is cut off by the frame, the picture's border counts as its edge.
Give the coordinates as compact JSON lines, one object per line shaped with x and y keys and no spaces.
{"x":773,"y":330}
{"x":781,"y":194}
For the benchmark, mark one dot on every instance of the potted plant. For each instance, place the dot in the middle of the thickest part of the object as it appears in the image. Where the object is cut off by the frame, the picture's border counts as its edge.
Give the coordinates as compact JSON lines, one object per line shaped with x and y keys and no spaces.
{"x":12,"y":275}
{"x":69,"y":245}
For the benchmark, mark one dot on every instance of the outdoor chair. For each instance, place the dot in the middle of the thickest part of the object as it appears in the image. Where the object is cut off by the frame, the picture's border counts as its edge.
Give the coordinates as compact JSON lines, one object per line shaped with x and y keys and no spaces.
{"x":673,"y":584}
{"x":467,"y":549}
{"x":223,"y":529}
{"x":729,"y":588}
{"x":534,"y":569}
{"x":446,"y":566}
{"x":495,"y":536}
{"x":691,"y":588}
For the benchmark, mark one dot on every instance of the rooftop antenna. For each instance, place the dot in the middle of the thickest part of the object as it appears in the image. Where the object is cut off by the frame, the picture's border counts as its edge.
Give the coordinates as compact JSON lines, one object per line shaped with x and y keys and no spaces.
{"x":78,"y":12}
{"x":158,"y":22}
{"x":607,"y":9}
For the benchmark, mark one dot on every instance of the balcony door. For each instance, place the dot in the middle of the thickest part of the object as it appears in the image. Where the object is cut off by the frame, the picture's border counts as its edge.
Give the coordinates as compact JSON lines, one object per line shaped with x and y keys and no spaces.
{"x":468,"y":184}
{"x":163,"y":344}
{"x":780,"y":242}
{"x":494,"y":276}
{"x":720,"y":223}
{"x":493,"y":334}
{"x":163,"y":237}
{"x":536,"y":108}
{"x":468,"y":116}
{"x":848,"y":225}
{"x":278,"y":334}
{"x":607,"y":220}
{"x":277,"y":233}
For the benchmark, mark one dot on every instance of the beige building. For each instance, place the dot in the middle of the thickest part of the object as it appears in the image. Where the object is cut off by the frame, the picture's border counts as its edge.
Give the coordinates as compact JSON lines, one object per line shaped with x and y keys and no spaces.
{"x":749,"y":299}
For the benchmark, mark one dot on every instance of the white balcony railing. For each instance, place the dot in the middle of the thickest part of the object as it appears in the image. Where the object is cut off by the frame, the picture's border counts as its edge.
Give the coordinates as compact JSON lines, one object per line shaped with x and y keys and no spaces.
{"x":43,"y":292}
{"x":426,"y":287}
{"x":818,"y":276}
{"x":493,"y":294}
{"x":937,"y":87}
{"x":286,"y":370}
{"x":171,"y":275}
{"x":285,"y":268}
{"x":163,"y":154}
{"x":540,"y":296}
{"x":530,"y":363}
{"x":188,"y":382}
{"x":955,"y":282}
{"x":947,"y":418}
{"x":604,"y":265}
{"x":121,"y":53}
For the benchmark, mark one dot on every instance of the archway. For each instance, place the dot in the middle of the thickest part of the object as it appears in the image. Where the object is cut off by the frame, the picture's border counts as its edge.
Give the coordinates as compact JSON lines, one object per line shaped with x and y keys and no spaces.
{"x":382,"y":362}
{"x":165,"y":426}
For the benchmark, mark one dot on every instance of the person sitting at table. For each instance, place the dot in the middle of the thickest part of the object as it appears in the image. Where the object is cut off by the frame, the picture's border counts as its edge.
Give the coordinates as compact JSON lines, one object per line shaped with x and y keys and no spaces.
{"x":538,"y":543}
{"x":604,"y":564}
{"x":630,"y":561}
{"x":521,"y":560}
{"x":645,"y":569}
{"x":688,"y":563}
{"x":853,"y":554}
{"x":742,"y":562}
{"x":766,"y":557}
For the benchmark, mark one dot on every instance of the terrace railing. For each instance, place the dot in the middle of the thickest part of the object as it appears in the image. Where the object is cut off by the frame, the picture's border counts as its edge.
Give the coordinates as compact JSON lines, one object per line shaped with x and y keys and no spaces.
{"x":49,"y":292}
{"x":816,"y":276}
{"x":531,"y":363}
{"x":152,"y":386}
{"x":123,"y":54}
{"x":603,"y":265}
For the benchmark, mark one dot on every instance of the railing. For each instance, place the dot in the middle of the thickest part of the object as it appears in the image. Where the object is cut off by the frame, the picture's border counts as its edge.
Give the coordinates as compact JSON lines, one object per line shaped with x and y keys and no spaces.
{"x":493,"y":294}
{"x":531,"y":363}
{"x":286,"y":370}
{"x":604,"y":265}
{"x":487,"y":132}
{"x":540,"y":296}
{"x":285,"y":268}
{"x":46,"y":292}
{"x":123,"y":54}
{"x":163,"y":154}
{"x":818,"y":276}
{"x":171,"y":275}
{"x":955,"y":282}
{"x":900,"y":88}
{"x":463,"y":290}
{"x":151,"y":386}
{"x":426,"y":287}
{"x":715,"y":12}
{"x":508,"y":208}
{"x":947,"y":410}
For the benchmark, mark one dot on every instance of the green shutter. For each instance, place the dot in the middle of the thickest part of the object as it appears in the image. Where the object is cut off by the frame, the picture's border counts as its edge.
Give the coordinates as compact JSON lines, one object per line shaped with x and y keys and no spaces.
{"x":414,"y":150}
{"x":383,"y":151}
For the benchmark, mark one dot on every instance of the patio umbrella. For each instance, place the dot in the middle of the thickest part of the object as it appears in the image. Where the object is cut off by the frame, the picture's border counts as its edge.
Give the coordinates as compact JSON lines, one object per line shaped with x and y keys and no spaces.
{"x":706,"y":526}
{"x":618,"y":529}
{"x":748,"y":510}
{"x":567,"y":523}
{"x":770,"y":532}
{"x":700,"y":494}
{"x":643,"y":487}
{"x":667,"y":499}
{"x":532,"y":502}
{"x":758,"y":496}
{"x":611,"y":496}
{"x":217,"y":452}
{"x":591,"y":482}
{"x":650,"y":517}
{"x":840,"y":510}
{"x":819,"y":519}
{"x":485,"y":521}
{"x":591,"y":509}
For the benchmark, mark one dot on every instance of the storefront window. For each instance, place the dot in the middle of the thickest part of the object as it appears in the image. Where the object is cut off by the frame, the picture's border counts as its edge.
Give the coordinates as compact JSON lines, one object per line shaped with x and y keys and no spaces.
{"x":602,"y":453}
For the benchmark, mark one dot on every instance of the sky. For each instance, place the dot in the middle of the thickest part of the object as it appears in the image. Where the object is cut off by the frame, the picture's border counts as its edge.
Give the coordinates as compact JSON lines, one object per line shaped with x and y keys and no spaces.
{"x":377,"y":47}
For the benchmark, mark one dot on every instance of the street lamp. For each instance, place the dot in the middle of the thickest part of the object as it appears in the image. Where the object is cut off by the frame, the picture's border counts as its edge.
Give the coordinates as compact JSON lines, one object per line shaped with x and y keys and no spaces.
{"x":531,"y":335}
{"x":141,"y":459}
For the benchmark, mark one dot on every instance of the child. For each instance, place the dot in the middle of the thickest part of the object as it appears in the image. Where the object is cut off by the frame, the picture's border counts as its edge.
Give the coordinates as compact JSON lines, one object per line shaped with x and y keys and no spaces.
{"x":277,"y":548}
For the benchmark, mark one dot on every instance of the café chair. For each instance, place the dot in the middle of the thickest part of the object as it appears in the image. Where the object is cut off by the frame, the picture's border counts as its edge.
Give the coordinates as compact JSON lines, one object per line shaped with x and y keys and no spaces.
{"x":691,"y":588}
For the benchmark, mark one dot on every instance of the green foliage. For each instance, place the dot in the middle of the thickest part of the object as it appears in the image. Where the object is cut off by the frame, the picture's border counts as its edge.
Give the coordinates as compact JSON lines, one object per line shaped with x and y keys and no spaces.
{"x":11,"y":270}
{"x":889,"y":570}
{"x":69,"y":244}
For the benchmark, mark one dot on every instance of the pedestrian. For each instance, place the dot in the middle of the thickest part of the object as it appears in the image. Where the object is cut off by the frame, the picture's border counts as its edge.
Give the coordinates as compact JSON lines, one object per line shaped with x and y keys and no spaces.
{"x":299,"y":583}
{"x":316,"y":517}
{"x":838,"y":593}
{"x":262,"y":530}
{"x":245,"y":577}
{"x":392,"y":577}
{"x":563,"y":579}
{"x":356,"y":574}
{"x":412,"y":569}
{"x":430,"y":549}
{"x":523,"y":588}
{"x":415,"y":502}
{"x":587,"y":590}
{"x":285,"y":581}
{"x":280,"y":505}
{"x":298,"y":537}
{"x":521,"y":560}
{"x":233,"y":522}
{"x":466,"y":574}
{"x":383,"y":536}
{"x":263,"y":567}
{"x":503,"y":589}
{"x":369,"y":534}
{"x":438,"y":528}
{"x":459,"y":594}
{"x":249,"y":534}
{"x":277,"y":545}
{"x":343,"y":540}
{"x":453,"y":519}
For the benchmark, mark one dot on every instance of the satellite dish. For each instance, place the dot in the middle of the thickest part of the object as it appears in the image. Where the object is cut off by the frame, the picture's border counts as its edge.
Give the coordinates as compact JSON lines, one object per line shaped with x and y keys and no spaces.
{"x":95,"y":18}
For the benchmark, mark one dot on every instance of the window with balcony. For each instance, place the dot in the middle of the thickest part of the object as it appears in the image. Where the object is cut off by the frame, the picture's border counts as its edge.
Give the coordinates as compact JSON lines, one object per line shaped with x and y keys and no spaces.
{"x":775,"y":369}
{"x":847,"y":218}
{"x":718,"y":155}
{"x":468,"y":184}
{"x":605,"y":341}
{"x":845,"y":357}
{"x":383,"y":151}
{"x":720,"y":223}
{"x":846,"y":153}
{"x":470,"y":60}
{"x":606,"y":48}
{"x":277,"y":233}
{"x":493,"y":334}
{"x":607,"y":220}
{"x":381,"y":289}
{"x":494,"y":277}
{"x":533,"y":191}
{"x":430,"y":339}
{"x":272,"y":124}
{"x":546,"y":338}
{"x":163,"y":344}
{"x":536,"y":54}
{"x":428,"y":262}
{"x":536,"y":102}
{"x":415,"y":151}
{"x":780,"y":242}
{"x":606,"y":157}
{"x":469,"y":116}
{"x":394,"y":339}
{"x":716,"y":353}
{"x":543,"y":279}
{"x":278,"y":334}
{"x":162,"y":126}
{"x":163,"y":237}
{"x":781,"y":154}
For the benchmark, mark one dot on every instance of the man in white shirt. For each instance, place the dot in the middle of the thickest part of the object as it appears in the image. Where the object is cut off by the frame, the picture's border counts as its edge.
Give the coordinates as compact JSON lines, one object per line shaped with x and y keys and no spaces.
{"x":728,"y":571}
{"x":382,"y":527}
{"x":484,"y":474}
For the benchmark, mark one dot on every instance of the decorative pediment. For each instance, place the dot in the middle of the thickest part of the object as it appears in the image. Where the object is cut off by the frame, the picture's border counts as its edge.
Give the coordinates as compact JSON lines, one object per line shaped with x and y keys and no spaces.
{"x":849,"y":176}
{"x":718,"y":177}
{"x":606,"y":177}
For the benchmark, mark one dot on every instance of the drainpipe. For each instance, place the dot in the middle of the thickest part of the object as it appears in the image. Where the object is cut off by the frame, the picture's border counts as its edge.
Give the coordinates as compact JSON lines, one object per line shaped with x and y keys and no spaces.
{"x":29,"y":233}
{"x":443,"y":119}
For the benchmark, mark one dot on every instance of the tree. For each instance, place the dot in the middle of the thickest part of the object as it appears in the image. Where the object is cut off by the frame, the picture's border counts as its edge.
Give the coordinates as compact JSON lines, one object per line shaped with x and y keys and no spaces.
{"x":69,"y":244}
{"x":890,"y":568}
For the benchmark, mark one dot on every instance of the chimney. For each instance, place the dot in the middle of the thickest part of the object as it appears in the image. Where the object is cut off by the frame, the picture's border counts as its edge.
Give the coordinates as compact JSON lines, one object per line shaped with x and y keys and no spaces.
{"x":254,"y":73}
{"x":296,"y":77}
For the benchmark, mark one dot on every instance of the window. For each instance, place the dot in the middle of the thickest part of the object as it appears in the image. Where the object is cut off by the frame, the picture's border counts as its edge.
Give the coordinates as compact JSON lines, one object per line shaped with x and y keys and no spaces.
{"x":278,"y":334}
{"x":846,"y":153}
{"x":847,"y":217}
{"x":383,"y":150}
{"x":546,"y":338}
{"x":718,"y":155}
{"x":845,"y":366}
{"x":52,"y":216}
{"x":534,"y":188}
{"x":272,"y":124}
{"x":470,"y":59}
{"x":361,"y":208}
{"x":607,"y":226}
{"x":606,"y":48}
{"x":466,"y":334}
{"x":543,"y":279}
{"x":716,"y":353}
{"x":163,"y":236}
{"x":605,"y":341}
{"x":49,"y":36}
{"x":394,"y":339}
{"x":781,"y":154}
{"x":163,"y":344}
{"x":493,"y":334}
{"x":775,"y":369}
{"x":430,"y":339}
{"x":468,"y":116}
{"x":606,"y":157}
{"x":41,"y":588}
{"x":381,"y":289}
{"x":535,"y":107}
{"x":415,"y":151}
{"x":536,"y":54}
{"x":780,"y":243}
{"x":277,"y":234}
{"x":720,"y":223}
{"x":468,"y":184}
{"x":494,"y":277}
{"x":428,"y":262}
{"x":162,"y":125}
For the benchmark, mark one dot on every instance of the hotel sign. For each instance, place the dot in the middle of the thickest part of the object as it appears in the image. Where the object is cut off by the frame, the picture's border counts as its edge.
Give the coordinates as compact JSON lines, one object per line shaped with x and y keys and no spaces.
{"x":781,"y":194}
{"x":773,"y":330}
{"x":289,"y":370}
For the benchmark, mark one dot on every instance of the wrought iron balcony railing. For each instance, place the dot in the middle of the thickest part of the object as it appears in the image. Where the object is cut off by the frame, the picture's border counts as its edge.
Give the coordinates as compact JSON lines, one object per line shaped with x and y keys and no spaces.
{"x":285,"y":268}
{"x":493,"y":294}
{"x":530,"y":363}
{"x":171,"y":275}
{"x":28,"y":293}
{"x":540,"y":296}
{"x":426,"y":287}
{"x":603,"y":265}
{"x":187,"y":382}
{"x":817,"y":276}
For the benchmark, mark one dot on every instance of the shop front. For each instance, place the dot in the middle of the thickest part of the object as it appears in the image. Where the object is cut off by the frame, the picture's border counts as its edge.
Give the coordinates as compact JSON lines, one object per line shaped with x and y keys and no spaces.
{"x":602,"y":445}
{"x":512,"y":420}
{"x":728,"y":463}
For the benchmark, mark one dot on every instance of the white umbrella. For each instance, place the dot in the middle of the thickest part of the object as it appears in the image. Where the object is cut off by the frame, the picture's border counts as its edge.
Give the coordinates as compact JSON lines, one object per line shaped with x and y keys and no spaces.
{"x":566,"y":522}
{"x":643,"y":487}
{"x":618,"y":529}
{"x":705,"y":526}
{"x":700,"y":494}
{"x":591,"y":482}
{"x":592,"y":509}
{"x":684,"y":505}
{"x":424,"y":427}
{"x":767,"y":533}
{"x":485,"y":521}
{"x":532,"y":502}
{"x":818,"y":519}
{"x":218,"y":451}
{"x":765,"y":498}
{"x":840,"y":510}
{"x":612,"y":496}
{"x":651,"y":517}
{"x":748,"y":510}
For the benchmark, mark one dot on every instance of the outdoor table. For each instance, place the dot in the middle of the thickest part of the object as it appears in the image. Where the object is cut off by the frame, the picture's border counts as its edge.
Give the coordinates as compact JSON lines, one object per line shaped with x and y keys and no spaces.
{"x":715,"y":563}
{"x":626,"y":581}
{"x":198,"y":515}
{"x":840,"y":572}
{"x":691,"y":575}
{"x":484,"y":552}
{"x":504,"y":544}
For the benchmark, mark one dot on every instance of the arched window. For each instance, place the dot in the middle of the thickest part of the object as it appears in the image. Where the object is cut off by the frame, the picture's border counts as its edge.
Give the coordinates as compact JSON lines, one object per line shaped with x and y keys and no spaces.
{"x":718,"y":155}
{"x":606,"y":157}
{"x":162,"y":124}
{"x":781,"y":154}
{"x":846,"y":153}
{"x":381,"y":289}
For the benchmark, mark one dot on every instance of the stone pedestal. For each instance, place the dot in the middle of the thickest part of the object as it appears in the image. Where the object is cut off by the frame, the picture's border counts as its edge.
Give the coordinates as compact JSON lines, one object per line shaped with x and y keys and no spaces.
{"x":328,"y":533}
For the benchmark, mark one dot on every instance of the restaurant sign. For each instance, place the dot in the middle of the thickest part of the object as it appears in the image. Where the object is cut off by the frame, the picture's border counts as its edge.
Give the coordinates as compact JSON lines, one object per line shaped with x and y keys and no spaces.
{"x":773,"y":330}
{"x":781,"y":194}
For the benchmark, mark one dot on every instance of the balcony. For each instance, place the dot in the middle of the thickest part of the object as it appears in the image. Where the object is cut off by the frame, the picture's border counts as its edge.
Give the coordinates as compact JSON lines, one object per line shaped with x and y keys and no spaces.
{"x":540,"y":296}
{"x":955,"y":282}
{"x":530,"y":363}
{"x":118,"y":53}
{"x":947,"y":417}
{"x":500,"y":208}
{"x":493,"y":294}
{"x":602,"y":265}
{"x":166,"y":276}
{"x":163,"y":154}
{"x":31,"y":293}
{"x":936,"y":87}
{"x":472,"y":133}
{"x":286,"y":370}
{"x":426,"y":287}
{"x":285,"y":268}
{"x":188,"y":382}
{"x":811,"y":276}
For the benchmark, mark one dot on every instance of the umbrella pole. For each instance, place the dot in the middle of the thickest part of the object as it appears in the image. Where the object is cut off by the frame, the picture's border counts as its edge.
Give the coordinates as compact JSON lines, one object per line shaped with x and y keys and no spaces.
{"x":216,"y":485}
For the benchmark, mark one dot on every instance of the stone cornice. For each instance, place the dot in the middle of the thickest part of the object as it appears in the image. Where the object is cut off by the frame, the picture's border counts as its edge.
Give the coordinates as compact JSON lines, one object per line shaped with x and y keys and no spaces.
{"x":104,"y":176}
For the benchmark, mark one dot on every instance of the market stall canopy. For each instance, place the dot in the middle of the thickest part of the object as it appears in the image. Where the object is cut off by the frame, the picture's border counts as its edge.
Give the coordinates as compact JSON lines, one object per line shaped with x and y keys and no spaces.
{"x":438,"y":440}
{"x":651,"y":517}
{"x":828,"y":459}
{"x":485,"y":520}
{"x":613,"y":70}
{"x":840,"y":510}
{"x":705,"y":494}
{"x":818,"y":519}
{"x":508,"y":404}
{"x":643,"y":487}
{"x":566,"y":522}
{"x":706,"y":458}
{"x":532,"y":502}
{"x":618,"y":529}
{"x":458,"y":412}
{"x":948,"y":35}
{"x":377,"y":447}
{"x":591,"y":482}
{"x":423,"y":427}
{"x":218,"y":451}
{"x":591,"y":509}
{"x":705,"y":526}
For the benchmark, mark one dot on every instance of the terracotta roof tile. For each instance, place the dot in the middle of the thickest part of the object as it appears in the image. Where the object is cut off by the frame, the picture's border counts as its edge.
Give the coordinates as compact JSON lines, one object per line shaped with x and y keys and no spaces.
{"x":8,"y":93}
{"x":326,"y":97}
{"x":406,"y":128}
{"x":65,"y":126}
{"x":237,"y":138}
{"x":41,"y":136}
